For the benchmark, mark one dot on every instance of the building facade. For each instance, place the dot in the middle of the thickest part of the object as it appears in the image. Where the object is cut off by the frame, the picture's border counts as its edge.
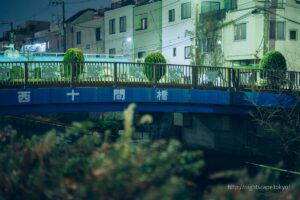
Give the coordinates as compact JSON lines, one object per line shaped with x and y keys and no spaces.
{"x":178,"y":30}
{"x":119,"y":31}
{"x":257,"y":27}
{"x":147,"y":29}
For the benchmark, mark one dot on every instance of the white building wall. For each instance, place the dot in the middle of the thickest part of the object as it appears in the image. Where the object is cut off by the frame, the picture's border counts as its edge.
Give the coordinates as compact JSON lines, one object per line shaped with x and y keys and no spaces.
{"x":178,"y":34}
{"x":89,"y":44}
{"x":119,"y":40}
{"x":252,"y":47}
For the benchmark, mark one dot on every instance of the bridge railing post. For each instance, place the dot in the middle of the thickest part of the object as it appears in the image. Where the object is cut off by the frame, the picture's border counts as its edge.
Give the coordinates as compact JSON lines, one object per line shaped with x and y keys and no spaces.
{"x":25,"y":74}
{"x":194,"y":77}
{"x":115,"y":73}
{"x":154,"y":75}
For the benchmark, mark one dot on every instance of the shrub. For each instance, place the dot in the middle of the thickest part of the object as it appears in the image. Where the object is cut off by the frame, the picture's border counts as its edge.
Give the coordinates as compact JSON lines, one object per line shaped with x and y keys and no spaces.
{"x":273,"y":65}
{"x":73,"y":63}
{"x":17,"y":72}
{"x":82,"y":164}
{"x":160,"y":70}
{"x":37,"y":73}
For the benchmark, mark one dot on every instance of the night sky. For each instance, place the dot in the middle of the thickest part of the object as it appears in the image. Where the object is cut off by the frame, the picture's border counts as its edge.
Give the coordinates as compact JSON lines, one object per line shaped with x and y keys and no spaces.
{"x":19,"y":11}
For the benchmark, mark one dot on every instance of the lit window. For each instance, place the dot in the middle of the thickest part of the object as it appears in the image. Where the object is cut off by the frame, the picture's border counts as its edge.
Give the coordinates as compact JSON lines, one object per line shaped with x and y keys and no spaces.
{"x":186,"y":10}
{"x":240,"y":32}
{"x":78,"y":37}
{"x":123,"y":24}
{"x":187,"y":52}
{"x":277,"y":30}
{"x":112,"y":28}
{"x":172,"y":15}
{"x":293,"y":34}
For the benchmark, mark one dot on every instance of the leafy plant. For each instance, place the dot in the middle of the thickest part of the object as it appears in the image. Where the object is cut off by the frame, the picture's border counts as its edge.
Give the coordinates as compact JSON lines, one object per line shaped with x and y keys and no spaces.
{"x":154,"y":67}
{"x":17,"y":72}
{"x":273,"y":65}
{"x":82,"y":164}
{"x":73,"y":63}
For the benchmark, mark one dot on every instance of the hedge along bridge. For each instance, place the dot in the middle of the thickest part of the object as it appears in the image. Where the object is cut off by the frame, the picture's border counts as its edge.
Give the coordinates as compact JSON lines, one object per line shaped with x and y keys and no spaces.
{"x":29,"y":87}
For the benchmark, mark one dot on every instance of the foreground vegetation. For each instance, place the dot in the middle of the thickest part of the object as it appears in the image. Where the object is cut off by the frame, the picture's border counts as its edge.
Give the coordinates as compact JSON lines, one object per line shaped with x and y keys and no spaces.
{"x":84,"y":164}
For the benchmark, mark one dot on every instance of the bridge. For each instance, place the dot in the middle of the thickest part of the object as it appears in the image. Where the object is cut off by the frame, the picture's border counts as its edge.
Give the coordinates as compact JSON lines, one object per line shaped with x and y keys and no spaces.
{"x":38,"y":87}
{"x":207,"y":106}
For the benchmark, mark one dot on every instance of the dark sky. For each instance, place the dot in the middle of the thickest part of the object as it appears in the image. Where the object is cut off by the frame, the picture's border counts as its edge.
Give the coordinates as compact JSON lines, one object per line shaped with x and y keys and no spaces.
{"x":19,"y":11}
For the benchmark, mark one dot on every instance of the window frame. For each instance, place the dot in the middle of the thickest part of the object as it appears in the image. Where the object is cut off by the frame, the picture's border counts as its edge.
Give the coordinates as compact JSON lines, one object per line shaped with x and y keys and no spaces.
{"x":239,"y":36}
{"x":144,"y":19}
{"x":123,"y":24}
{"x":273,"y":30}
{"x":98,"y":33}
{"x":296,"y":34}
{"x":186,"y":56}
{"x":174,"y":52}
{"x":78,"y":37}
{"x":112,"y":26}
{"x":190,"y":10}
{"x":171,"y":14}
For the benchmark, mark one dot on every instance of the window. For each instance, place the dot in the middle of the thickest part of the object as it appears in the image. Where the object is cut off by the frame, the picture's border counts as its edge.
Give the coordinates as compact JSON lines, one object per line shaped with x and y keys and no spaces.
{"x":172,"y":15}
{"x":112,"y":27}
{"x":112,"y":52}
{"x":174,"y":52}
{"x":98,"y":34}
{"x":293,"y":34}
{"x":230,"y":4}
{"x":240,"y":31}
{"x":78,"y":37}
{"x":187,"y":52}
{"x":277,"y":30}
{"x":123,"y":24}
{"x":144,"y":24}
{"x":141,"y":54}
{"x":205,"y":45}
{"x":209,"y":6}
{"x":186,"y":10}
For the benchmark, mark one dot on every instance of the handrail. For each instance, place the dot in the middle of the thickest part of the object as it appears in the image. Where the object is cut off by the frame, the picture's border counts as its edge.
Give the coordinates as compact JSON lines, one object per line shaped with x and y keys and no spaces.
{"x":25,"y":74}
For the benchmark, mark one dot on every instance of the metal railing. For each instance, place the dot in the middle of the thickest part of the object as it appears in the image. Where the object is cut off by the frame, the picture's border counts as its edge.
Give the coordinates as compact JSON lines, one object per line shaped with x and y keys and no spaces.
{"x":117,"y":74}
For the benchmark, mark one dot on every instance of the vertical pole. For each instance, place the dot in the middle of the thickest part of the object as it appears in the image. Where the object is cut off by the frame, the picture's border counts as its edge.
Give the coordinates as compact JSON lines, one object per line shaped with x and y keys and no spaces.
{"x":64,"y":26}
{"x":194,"y":77}
{"x":115,"y":74}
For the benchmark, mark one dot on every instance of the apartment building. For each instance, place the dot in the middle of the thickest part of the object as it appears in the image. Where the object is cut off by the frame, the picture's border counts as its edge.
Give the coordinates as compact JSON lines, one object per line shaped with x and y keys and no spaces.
{"x":256,"y":27}
{"x":147,"y":30}
{"x":119,"y":29}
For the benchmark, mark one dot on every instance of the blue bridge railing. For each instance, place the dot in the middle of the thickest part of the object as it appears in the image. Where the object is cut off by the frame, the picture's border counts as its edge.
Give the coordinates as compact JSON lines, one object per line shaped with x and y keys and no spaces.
{"x":34,"y":74}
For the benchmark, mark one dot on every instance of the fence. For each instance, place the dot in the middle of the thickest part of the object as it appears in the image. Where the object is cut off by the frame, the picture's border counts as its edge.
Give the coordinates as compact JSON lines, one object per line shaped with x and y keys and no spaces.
{"x":98,"y":74}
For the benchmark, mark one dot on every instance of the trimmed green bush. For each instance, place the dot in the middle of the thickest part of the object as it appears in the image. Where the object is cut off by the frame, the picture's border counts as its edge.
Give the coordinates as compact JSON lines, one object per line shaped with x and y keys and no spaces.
{"x":73,"y":63}
{"x":160,"y":70}
{"x":273,"y":60}
{"x":273,"y":65}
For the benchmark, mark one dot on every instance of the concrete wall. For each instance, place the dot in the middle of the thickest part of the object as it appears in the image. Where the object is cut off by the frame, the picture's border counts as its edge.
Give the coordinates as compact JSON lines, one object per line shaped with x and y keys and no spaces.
{"x":147,"y":40}
{"x":89,"y":44}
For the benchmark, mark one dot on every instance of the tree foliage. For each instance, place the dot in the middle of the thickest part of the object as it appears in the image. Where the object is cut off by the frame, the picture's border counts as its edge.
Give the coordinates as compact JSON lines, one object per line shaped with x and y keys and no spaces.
{"x":273,"y":60}
{"x":73,"y":63}
{"x":154,"y":72}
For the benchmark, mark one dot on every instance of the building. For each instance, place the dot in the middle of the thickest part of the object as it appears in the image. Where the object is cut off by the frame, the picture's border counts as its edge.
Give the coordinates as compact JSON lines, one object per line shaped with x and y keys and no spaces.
{"x":178,"y":30}
{"x":119,"y":30}
{"x":89,"y":35}
{"x":52,"y":37}
{"x":256,"y":27}
{"x":147,"y":30}
{"x":73,"y":37}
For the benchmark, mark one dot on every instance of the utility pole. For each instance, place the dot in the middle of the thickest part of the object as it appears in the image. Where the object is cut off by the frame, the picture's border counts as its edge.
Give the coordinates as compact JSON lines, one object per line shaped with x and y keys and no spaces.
{"x":62,"y":3}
